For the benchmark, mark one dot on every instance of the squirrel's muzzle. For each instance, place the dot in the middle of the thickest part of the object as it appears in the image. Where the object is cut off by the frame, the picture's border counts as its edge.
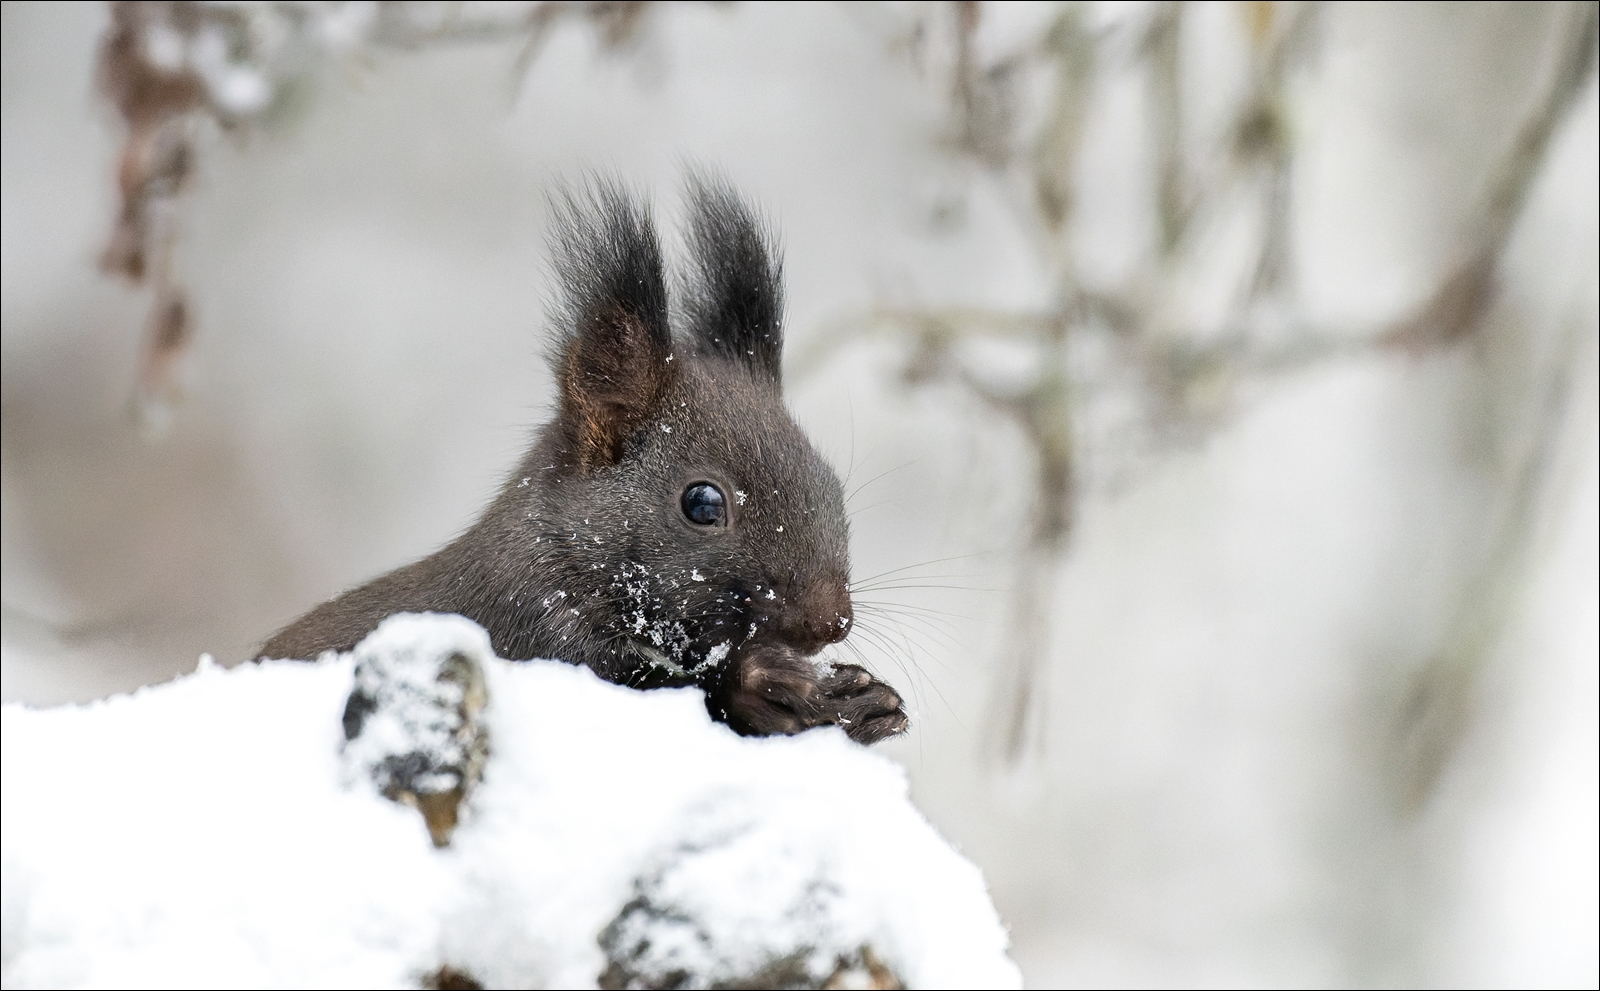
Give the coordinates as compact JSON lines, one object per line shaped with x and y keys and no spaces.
{"x":815,"y":614}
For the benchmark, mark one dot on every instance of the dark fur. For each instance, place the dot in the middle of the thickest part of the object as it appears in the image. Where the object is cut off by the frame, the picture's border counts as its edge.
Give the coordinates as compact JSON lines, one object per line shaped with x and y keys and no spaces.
{"x":585,"y":554}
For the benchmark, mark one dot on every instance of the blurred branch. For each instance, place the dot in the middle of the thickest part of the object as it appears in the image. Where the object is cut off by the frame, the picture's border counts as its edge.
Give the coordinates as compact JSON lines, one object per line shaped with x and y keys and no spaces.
{"x":1437,"y":708}
{"x":170,"y":67}
{"x":1464,"y":293}
{"x":1187,"y":375}
{"x":1163,"y":51}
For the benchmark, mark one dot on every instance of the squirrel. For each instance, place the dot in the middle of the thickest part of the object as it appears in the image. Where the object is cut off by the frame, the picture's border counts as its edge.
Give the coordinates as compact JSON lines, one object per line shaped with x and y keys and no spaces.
{"x":672,"y":525}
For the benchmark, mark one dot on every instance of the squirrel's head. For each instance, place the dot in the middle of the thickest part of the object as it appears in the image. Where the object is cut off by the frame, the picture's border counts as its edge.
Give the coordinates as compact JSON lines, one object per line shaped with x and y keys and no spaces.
{"x":675,"y":510}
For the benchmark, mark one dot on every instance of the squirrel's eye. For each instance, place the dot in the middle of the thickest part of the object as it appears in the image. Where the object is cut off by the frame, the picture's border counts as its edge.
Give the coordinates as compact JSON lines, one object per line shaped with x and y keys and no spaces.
{"x":704,"y":504}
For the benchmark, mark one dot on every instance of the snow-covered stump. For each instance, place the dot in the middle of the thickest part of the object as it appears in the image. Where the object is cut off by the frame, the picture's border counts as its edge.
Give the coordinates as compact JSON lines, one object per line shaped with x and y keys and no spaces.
{"x":230,"y":828}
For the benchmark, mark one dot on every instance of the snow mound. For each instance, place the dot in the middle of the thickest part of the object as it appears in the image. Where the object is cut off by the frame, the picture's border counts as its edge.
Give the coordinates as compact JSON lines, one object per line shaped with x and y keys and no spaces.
{"x":221,"y":831}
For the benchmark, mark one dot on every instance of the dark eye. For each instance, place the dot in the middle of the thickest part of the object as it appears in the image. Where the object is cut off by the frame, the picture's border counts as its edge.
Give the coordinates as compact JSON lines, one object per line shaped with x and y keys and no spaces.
{"x":704,"y":504}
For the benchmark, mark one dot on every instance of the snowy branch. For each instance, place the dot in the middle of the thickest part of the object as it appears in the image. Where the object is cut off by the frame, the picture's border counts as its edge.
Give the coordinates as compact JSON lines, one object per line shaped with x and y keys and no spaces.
{"x":221,"y":830}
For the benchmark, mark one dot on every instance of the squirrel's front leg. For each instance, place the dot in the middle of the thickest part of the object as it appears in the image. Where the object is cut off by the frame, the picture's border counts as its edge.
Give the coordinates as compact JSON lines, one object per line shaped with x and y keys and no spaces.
{"x":772,"y":691}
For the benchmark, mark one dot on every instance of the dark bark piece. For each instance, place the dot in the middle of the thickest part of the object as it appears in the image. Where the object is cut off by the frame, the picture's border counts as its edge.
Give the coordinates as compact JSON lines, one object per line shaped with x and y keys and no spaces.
{"x":448,"y":978}
{"x":643,"y":944}
{"x":440,"y":704}
{"x":860,"y":970}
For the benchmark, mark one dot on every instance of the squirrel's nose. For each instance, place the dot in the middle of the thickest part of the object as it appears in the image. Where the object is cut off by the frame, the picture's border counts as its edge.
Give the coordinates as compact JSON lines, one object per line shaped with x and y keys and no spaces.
{"x":816,"y":614}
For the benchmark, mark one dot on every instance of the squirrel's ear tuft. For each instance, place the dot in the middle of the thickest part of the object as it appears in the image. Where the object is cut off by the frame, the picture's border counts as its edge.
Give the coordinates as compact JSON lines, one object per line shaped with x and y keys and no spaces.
{"x":734,"y":303}
{"x":615,"y":360}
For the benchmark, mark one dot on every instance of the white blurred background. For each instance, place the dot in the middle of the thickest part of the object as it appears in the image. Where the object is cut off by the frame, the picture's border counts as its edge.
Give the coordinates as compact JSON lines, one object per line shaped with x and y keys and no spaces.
{"x":1222,"y":376}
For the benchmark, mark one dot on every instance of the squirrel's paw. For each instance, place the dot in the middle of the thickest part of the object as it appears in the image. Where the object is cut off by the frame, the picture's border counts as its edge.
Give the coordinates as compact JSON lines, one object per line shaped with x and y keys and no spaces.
{"x":772,"y":691}
{"x":867,"y":709}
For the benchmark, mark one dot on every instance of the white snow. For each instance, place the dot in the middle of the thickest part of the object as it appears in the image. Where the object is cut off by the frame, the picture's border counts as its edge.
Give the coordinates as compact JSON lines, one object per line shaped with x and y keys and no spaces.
{"x":716,"y":655}
{"x":207,"y":832}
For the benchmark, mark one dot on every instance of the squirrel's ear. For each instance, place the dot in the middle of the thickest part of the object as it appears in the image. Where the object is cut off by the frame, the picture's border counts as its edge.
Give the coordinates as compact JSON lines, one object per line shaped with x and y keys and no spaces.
{"x":734,"y":303}
{"x":615,"y":362}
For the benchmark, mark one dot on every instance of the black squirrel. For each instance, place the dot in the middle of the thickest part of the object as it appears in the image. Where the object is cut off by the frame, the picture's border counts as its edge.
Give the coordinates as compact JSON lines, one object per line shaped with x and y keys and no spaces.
{"x":672,"y":525}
